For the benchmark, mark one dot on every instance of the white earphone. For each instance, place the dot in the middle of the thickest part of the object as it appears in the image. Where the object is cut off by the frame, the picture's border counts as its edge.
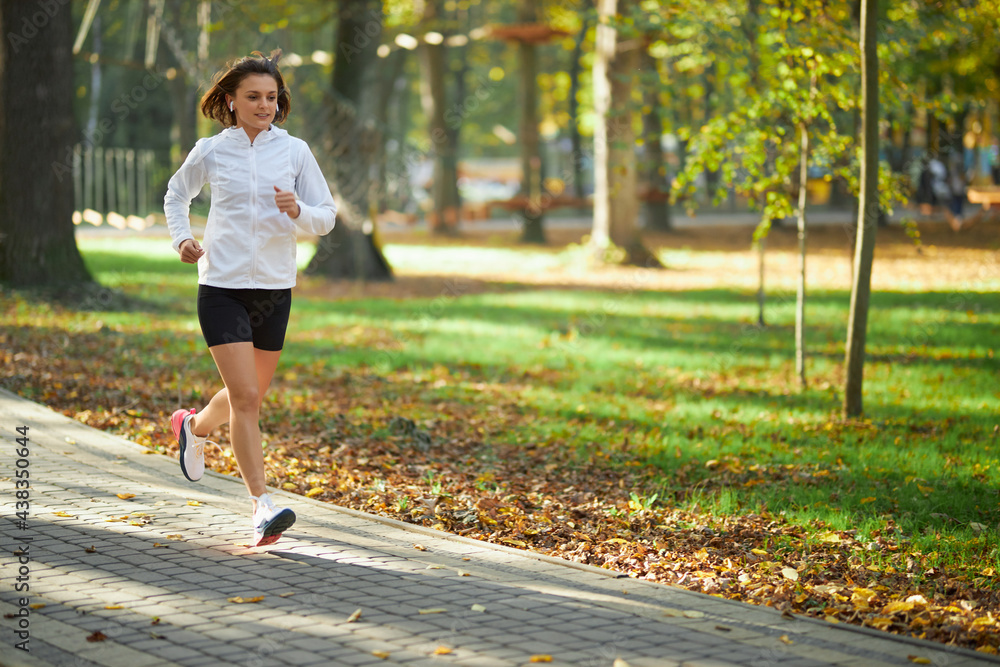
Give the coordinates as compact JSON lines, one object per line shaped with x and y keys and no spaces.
{"x":230,"y":105}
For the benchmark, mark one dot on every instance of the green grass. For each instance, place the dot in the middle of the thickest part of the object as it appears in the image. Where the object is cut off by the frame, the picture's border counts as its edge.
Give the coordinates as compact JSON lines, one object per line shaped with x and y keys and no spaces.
{"x":707,"y":401}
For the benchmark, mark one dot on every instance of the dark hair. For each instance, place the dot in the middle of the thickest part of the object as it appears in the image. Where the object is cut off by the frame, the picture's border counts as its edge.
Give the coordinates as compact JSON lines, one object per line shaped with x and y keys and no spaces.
{"x":226,"y":81}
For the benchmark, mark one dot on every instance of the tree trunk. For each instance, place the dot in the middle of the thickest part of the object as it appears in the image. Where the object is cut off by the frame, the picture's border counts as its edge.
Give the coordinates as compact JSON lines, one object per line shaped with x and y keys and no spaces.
{"x":576,"y":141}
{"x":761,"y":294}
{"x":37,"y":134}
{"x":616,"y":215}
{"x":657,"y":177}
{"x":532,"y":218}
{"x":444,"y":190}
{"x":751,"y":31}
{"x":867,"y":214}
{"x":604,"y":52}
{"x":352,"y":250}
{"x":800,"y":297}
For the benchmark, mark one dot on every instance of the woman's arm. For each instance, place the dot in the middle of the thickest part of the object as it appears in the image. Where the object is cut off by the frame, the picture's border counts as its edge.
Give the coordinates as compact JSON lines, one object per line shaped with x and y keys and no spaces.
{"x":182,"y":188}
{"x":317,"y":210}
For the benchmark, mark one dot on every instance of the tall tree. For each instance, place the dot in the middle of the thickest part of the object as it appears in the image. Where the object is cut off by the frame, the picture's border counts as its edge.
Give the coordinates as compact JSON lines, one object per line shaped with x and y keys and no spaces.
{"x":532,"y":219}
{"x":616,"y":208}
{"x":444,"y":190}
{"x":868,"y":209}
{"x":657,"y":178}
{"x":351,"y":250}
{"x":37,"y":130}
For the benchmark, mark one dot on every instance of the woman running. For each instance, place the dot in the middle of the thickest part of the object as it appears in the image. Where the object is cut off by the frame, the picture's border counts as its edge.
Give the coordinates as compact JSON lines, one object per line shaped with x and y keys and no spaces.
{"x":264,"y":183}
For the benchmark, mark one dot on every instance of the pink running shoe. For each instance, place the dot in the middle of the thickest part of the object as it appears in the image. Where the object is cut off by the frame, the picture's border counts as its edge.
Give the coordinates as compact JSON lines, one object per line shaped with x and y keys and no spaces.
{"x":192,"y":454}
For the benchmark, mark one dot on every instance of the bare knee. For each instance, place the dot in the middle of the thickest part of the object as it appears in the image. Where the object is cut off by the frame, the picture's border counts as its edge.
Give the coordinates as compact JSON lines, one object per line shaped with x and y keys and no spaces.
{"x":244,"y":399}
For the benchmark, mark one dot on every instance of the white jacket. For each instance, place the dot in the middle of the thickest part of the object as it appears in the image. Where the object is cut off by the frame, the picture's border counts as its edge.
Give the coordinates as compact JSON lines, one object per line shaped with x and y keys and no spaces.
{"x":248,"y":242}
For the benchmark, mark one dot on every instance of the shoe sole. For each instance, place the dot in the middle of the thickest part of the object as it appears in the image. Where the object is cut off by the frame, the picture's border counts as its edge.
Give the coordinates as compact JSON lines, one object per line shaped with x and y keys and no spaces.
{"x":182,"y":439}
{"x":278,"y":525}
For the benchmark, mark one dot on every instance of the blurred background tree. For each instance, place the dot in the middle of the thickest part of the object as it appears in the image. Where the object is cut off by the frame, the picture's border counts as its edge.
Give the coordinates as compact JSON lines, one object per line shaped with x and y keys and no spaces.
{"x":448,"y":112}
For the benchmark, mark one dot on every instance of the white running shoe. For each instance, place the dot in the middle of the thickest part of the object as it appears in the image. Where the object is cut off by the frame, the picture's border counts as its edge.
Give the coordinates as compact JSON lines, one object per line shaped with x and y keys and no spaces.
{"x":269,"y":521}
{"x":192,"y":454}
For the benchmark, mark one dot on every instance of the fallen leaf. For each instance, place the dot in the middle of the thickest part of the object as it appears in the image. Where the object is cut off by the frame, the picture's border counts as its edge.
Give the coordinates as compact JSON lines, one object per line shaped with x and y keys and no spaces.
{"x":97,"y":637}
{"x":442,"y":650}
{"x":113,"y":606}
{"x":242,"y":600}
{"x":37,"y":605}
{"x":156,"y":635}
{"x":541,"y":658}
{"x":72,"y":442}
{"x":419,"y":547}
{"x":619,"y":663}
{"x":434,"y":610}
{"x":918,"y":660}
{"x":62,"y":513}
{"x":194,"y":503}
{"x":125,"y":496}
{"x":287,"y":595}
{"x":355,"y":616}
{"x":896,"y":607}
{"x":90,"y":550}
{"x":691,"y":613}
{"x":380,"y":654}
{"x":477,"y":607}
{"x":789,"y":573}
{"x":175,"y":537}
{"x":759,"y":552}
{"x":785,"y":640}
{"x":316,"y":491}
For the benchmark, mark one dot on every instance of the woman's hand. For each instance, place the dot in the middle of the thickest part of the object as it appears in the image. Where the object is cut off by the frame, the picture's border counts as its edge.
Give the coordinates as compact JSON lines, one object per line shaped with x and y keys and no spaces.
{"x":286,"y":202}
{"x":190,"y":251}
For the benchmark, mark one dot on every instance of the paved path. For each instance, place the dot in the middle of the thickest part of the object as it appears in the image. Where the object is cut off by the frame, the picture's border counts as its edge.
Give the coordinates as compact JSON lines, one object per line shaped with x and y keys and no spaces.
{"x":158,"y":585}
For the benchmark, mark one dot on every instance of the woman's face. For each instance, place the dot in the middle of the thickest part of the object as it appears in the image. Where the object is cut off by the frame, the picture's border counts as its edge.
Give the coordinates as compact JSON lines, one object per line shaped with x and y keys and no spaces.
{"x":255,"y":102}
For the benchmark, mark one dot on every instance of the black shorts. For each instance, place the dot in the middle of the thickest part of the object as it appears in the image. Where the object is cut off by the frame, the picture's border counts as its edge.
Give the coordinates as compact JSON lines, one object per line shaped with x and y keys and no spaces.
{"x":258,"y":316}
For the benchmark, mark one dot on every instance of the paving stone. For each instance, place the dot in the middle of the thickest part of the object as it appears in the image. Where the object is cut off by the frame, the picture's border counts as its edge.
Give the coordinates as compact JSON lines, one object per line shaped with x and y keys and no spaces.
{"x":335,"y":562}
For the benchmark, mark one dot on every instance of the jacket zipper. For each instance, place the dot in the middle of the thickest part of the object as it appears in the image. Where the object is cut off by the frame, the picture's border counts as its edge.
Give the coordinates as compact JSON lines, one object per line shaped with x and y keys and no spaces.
{"x":253,"y":217}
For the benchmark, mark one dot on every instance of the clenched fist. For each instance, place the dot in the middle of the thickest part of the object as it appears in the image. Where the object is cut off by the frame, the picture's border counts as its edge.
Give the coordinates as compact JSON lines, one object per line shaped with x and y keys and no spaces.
{"x":286,"y":202}
{"x":190,"y":251}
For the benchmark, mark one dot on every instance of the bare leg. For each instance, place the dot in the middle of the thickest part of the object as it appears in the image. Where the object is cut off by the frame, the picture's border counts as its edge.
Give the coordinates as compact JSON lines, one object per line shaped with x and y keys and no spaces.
{"x":237,"y":363}
{"x":216,"y":413}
